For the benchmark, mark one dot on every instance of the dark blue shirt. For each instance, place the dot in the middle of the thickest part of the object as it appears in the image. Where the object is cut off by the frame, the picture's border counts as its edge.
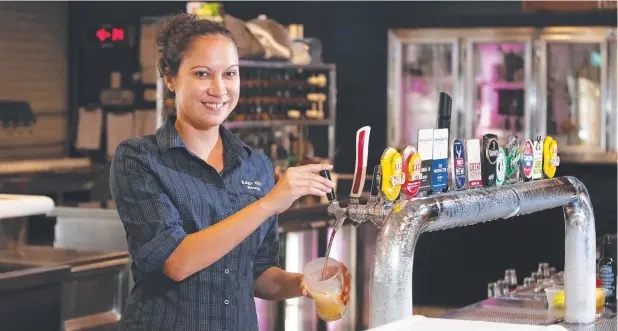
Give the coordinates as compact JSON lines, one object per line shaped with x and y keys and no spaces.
{"x":163,"y":192}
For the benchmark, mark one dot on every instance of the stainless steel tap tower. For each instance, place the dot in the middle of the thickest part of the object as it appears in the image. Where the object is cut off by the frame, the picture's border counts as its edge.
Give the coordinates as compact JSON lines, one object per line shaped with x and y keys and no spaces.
{"x":401,"y":223}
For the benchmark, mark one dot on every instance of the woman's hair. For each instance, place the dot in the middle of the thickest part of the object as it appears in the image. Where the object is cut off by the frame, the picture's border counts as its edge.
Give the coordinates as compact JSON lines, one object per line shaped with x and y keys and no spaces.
{"x":173,"y":40}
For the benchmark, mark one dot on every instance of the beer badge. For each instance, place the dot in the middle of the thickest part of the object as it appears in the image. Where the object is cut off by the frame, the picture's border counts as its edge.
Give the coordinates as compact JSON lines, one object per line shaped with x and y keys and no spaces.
{"x":501,"y":165}
{"x":490,"y":155}
{"x":537,"y":166}
{"x":459,"y":164}
{"x":473,"y":156}
{"x":411,"y":171}
{"x":513,"y":160}
{"x":439,"y":166}
{"x":425,"y":151}
{"x":392,"y":175}
{"x":527,"y":162}
{"x":551,"y":160}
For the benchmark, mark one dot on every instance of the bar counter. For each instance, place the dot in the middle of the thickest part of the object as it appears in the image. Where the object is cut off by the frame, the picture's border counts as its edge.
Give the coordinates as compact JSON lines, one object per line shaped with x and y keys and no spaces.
{"x":452,"y":268}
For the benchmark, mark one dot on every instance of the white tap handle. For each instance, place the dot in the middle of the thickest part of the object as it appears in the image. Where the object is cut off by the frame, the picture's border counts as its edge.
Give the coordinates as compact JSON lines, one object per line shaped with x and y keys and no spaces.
{"x":360,"y":168}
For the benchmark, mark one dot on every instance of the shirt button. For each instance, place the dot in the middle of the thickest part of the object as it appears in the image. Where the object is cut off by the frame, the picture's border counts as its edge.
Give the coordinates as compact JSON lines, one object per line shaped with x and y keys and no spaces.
{"x":227,"y":271}
{"x":226,"y":302}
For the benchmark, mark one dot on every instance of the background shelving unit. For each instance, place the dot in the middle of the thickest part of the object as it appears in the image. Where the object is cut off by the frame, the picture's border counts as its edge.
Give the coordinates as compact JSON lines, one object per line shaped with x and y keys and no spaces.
{"x":317,"y":132}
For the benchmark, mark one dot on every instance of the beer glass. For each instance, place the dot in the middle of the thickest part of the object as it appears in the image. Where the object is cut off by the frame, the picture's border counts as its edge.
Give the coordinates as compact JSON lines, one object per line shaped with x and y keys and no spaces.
{"x":326,"y":291}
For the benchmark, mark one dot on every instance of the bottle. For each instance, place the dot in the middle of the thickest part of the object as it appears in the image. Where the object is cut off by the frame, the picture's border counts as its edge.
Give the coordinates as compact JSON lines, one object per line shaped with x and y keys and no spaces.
{"x":607,"y":270}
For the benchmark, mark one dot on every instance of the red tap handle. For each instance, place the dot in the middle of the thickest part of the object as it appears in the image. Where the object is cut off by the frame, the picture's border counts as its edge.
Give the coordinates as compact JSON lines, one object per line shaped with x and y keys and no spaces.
{"x":360,"y":169}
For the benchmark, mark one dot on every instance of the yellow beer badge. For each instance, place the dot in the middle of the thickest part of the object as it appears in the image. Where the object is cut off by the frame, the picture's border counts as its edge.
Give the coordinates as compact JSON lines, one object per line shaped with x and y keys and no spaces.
{"x":392,"y":173}
{"x":551,"y":160}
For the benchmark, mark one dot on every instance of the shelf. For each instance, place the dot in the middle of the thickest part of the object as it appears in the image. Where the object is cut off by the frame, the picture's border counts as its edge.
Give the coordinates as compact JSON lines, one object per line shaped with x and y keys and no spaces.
{"x":265,"y":124}
{"x":503,"y":85}
{"x":284,"y":65}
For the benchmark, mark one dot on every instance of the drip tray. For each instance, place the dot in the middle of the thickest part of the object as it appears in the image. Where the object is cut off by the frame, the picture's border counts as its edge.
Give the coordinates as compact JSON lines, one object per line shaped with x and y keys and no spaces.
{"x":527,"y":310}
{"x":509,"y":310}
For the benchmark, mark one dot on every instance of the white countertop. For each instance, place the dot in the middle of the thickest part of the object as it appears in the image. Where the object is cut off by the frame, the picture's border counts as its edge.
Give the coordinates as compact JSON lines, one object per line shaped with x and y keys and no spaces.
{"x":14,"y":205}
{"x":421,"y":323}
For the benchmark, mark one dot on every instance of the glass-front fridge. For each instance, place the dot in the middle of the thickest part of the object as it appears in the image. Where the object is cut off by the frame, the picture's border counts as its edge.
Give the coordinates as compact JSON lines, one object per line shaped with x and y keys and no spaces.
{"x":498,"y":83}
{"x":558,"y":81}
{"x":420,"y":67}
{"x":577,"y":87}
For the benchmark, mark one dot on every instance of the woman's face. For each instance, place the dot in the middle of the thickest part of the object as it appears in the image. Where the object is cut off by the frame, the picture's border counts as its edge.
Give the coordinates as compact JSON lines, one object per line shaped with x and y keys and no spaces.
{"x":207,"y":84}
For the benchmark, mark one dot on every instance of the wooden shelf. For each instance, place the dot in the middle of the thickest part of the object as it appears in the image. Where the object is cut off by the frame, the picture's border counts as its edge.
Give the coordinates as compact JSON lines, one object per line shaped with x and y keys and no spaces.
{"x":502,"y":85}
{"x":265,"y":124}
{"x":284,"y":65}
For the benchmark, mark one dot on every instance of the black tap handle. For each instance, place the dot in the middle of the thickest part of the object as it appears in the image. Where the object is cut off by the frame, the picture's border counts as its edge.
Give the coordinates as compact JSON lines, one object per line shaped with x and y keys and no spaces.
{"x":444,"y":111}
{"x":330,"y":195}
{"x":375,"y":180}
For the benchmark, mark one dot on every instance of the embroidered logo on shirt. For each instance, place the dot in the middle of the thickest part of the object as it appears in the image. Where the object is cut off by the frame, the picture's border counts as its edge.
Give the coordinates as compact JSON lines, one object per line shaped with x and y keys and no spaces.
{"x":255,"y":185}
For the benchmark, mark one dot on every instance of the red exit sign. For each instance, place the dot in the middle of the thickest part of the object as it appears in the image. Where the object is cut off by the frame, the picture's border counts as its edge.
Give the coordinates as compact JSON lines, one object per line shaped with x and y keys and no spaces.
{"x":110,"y":34}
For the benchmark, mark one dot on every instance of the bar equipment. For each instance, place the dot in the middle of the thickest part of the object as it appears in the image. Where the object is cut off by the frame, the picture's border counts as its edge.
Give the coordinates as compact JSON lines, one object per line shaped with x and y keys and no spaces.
{"x":59,"y":288}
{"x":473,"y":159}
{"x":401,"y":223}
{"x":491,"y":149}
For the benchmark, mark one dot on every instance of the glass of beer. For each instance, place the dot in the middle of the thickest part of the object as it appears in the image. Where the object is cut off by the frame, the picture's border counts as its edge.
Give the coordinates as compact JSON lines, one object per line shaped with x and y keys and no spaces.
{"x":326,"y":287}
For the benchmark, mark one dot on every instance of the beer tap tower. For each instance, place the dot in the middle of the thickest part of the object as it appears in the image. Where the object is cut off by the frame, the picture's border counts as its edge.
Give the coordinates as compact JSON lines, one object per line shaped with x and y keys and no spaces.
{"x":401,"y":222}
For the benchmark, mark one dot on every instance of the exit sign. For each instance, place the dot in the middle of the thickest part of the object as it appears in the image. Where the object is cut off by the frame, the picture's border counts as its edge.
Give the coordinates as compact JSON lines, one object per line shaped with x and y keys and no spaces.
{"x":111,"y":36}
{"x":107,"y":35}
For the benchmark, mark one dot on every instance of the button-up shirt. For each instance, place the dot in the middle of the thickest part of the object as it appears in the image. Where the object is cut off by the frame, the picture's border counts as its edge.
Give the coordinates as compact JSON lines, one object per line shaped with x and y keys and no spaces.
{"x":163,"y":192}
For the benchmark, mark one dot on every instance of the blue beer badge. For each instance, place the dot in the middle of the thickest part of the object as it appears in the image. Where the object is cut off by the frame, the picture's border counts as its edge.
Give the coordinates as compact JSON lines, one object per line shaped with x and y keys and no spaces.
{"x":439,"y":167}
{"x":459,"y":164}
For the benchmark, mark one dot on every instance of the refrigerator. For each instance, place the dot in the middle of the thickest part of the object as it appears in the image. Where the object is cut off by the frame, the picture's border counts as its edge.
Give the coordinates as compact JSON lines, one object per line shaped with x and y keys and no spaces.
{"x":558,"y":81}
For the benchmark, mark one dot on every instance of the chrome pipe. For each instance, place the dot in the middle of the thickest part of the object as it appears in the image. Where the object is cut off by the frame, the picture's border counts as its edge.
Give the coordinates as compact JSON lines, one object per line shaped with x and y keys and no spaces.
{"x":391,"y":274}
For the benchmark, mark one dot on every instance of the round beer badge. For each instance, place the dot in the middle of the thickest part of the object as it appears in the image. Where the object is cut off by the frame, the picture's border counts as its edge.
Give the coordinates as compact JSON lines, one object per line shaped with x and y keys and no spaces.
{"x":491,"y":152}
{"x":550,"y":157}
{"x":392,"y":175}
{"x":459,"y":164}
{"x":500,"y":167}
{"x":527,"y":163}
{"x":412,"y":172}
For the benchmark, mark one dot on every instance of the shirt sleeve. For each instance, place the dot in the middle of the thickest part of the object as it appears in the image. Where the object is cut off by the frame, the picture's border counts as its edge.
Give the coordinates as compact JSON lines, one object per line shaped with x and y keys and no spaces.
{"x":268,"y":253}
{"x":151,"y":221}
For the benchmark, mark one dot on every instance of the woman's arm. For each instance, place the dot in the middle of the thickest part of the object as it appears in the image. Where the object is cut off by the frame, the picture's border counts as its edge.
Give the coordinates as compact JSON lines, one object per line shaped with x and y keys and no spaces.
{"x":201,"y":249}
{"x":155,"y":230}
{"x":215,"y":241}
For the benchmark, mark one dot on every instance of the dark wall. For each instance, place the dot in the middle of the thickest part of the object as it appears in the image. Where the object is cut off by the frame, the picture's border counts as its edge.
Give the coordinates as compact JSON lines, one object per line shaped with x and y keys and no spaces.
{"x":354,"y":37}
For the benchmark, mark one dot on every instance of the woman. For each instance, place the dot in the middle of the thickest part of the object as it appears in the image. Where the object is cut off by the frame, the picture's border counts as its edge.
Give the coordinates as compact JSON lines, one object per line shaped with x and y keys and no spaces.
{"x":198,"y":205}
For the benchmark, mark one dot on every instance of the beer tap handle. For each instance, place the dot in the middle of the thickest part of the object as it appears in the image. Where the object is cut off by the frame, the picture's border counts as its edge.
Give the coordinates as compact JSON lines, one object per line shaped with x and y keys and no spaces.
{"x":330,"y":195}
{"x":375,"y":181}
{"x":360,"y":168}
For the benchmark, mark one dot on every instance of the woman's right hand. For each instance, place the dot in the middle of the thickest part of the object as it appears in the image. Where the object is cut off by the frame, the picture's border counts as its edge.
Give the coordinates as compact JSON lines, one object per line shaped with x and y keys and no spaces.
{"x":295,"y":183}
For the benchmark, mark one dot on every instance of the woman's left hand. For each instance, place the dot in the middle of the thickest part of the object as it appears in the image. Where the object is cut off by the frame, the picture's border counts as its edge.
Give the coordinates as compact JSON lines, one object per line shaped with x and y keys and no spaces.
{"x":347,"y":281}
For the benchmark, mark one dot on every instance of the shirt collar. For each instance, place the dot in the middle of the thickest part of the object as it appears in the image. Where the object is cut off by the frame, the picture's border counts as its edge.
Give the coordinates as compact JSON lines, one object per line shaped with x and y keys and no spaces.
{"x":168,"y":138}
